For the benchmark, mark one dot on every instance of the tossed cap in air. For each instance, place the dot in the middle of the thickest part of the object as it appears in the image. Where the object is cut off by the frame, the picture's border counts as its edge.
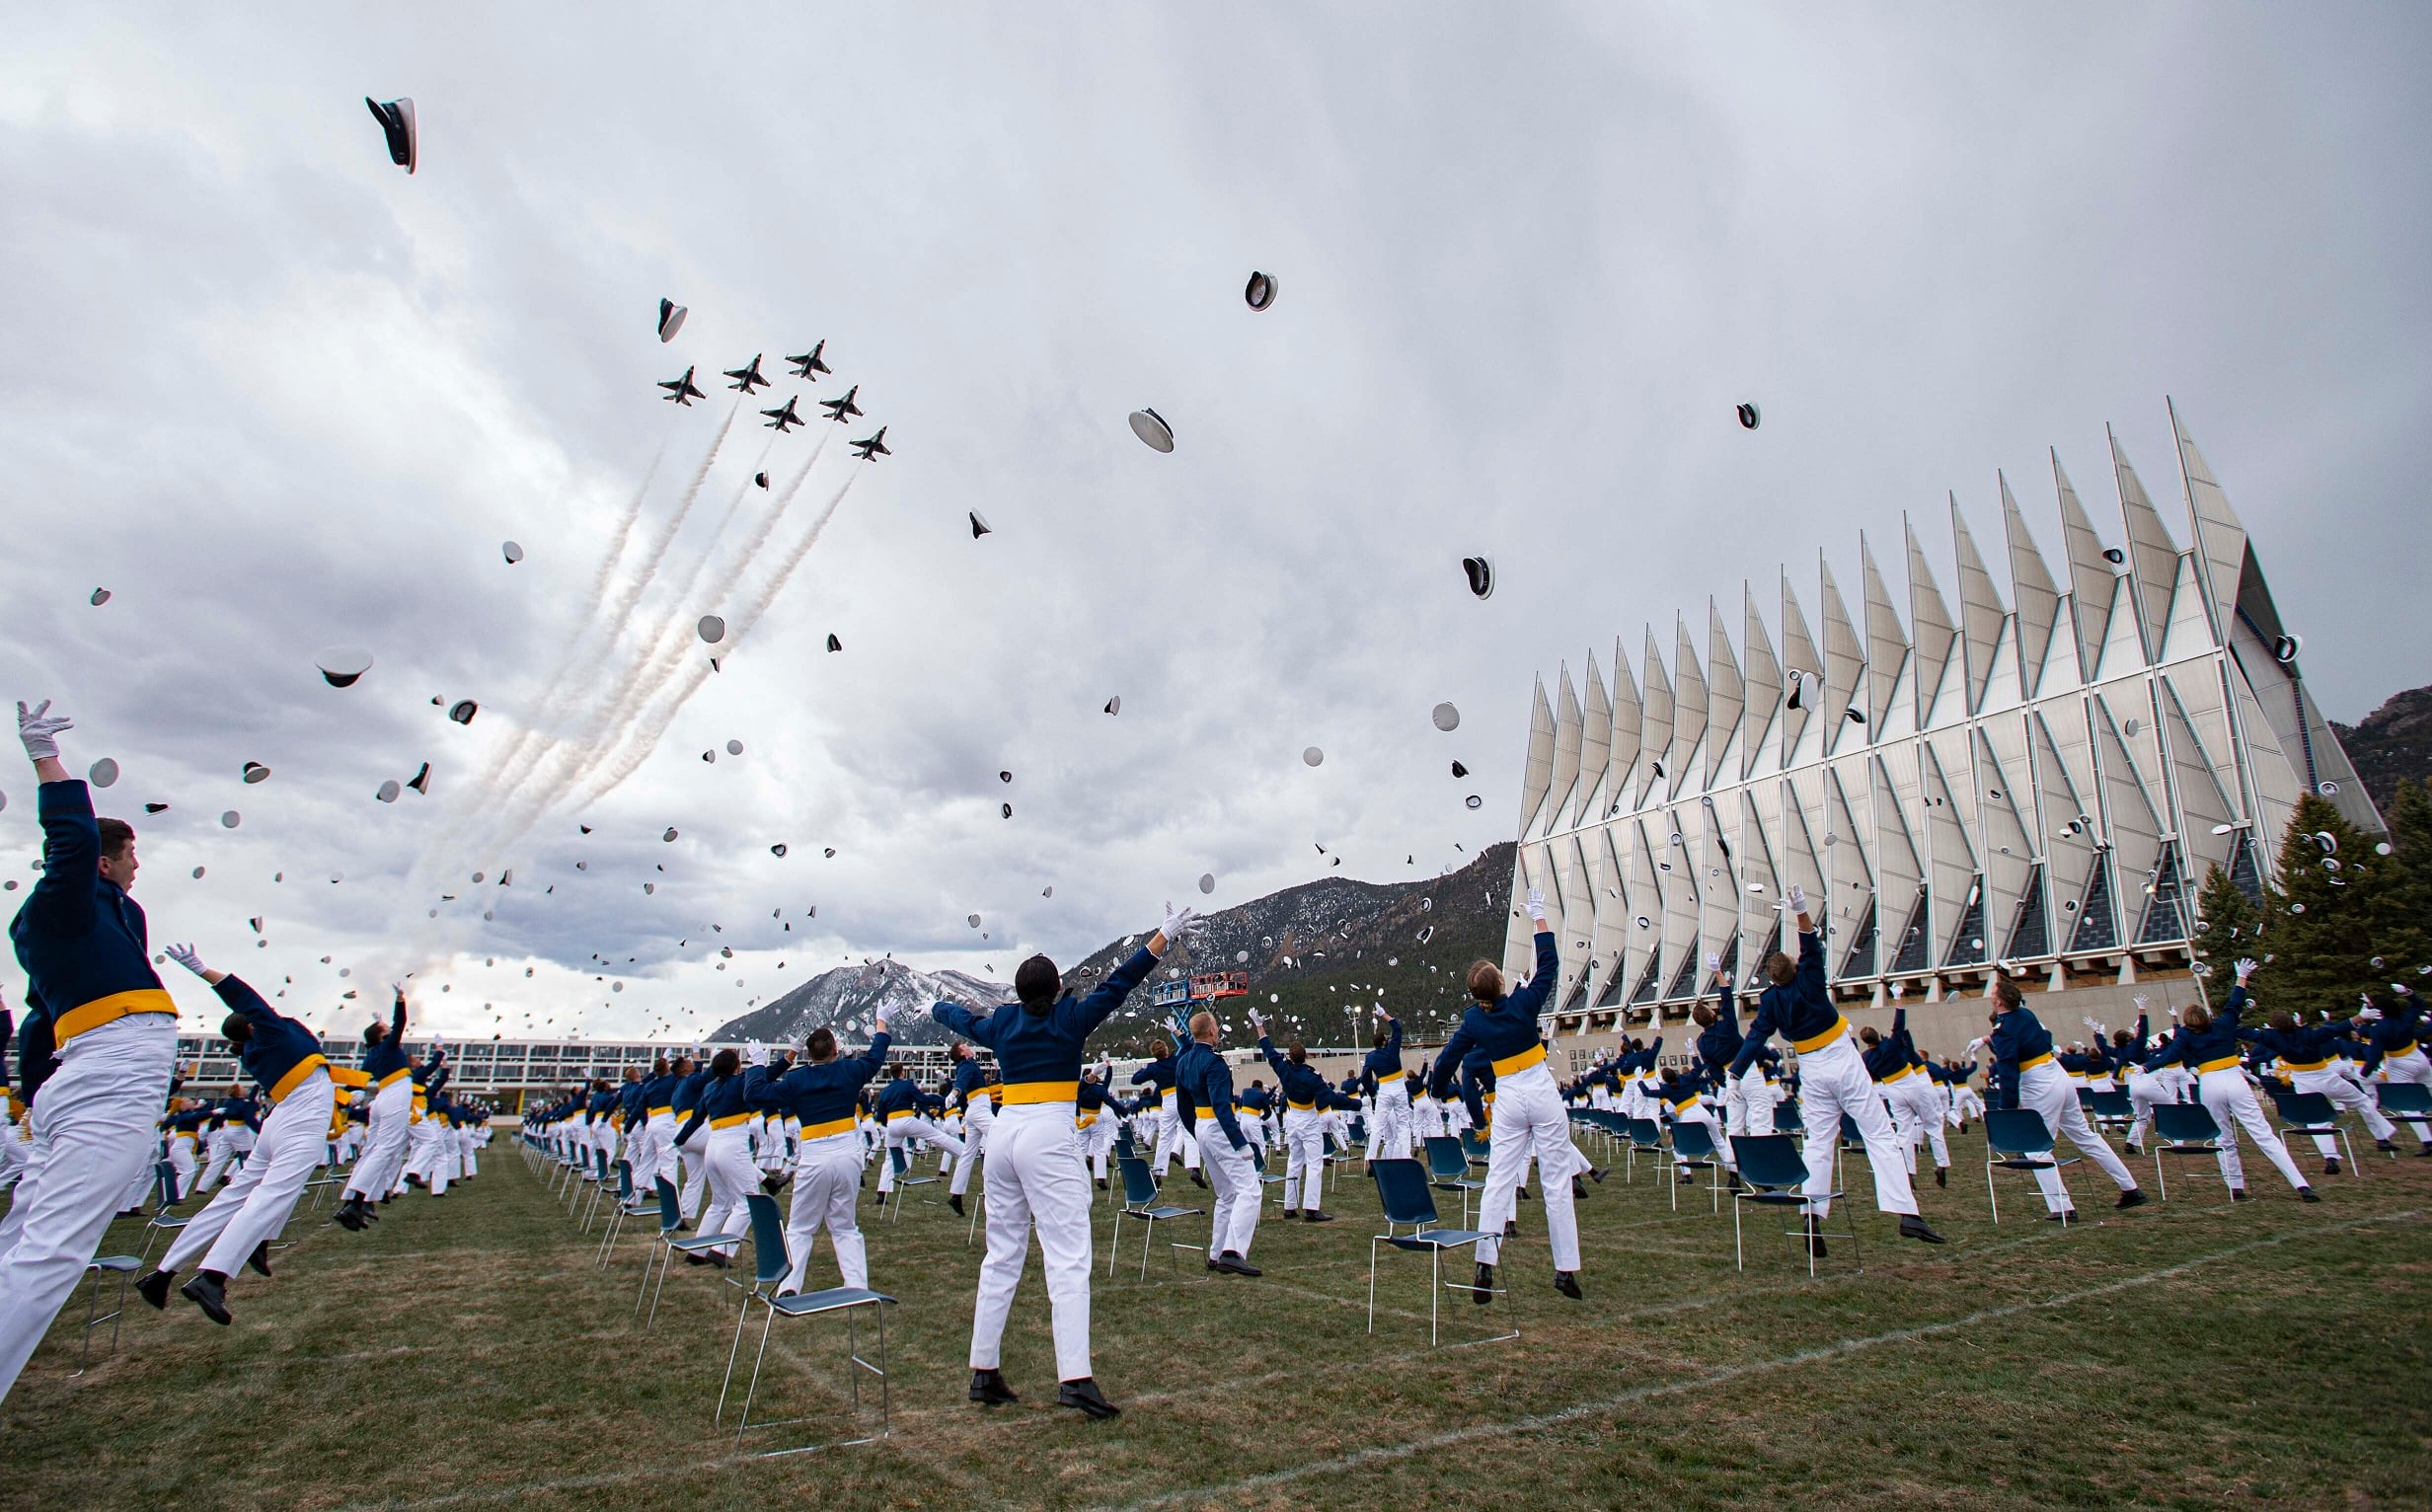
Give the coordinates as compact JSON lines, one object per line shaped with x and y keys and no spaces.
{"x":396,"y":119}
{"x":463,"y":710}
{"x":421,"y":779}
{"x":1447,"y":718}
{"x":100,"y":596}
{"x":512,"y":551}
{"x":1313,"y":756}
{"x":1748,"y":417}
{"x":341,"y":665}
{"x":1151,"y":427}
{"x":833,"y":644}
{"x":979,"y":527}
{"x":1114,"y":704}
{"x":1259,"y":292}
{"x":255,"y":772}
{"x":670,"y":319}
{"x":1479,"y":571}
{"x":102,"y":773}
{"x":1208,"y":881}
{"x":388,"y":791}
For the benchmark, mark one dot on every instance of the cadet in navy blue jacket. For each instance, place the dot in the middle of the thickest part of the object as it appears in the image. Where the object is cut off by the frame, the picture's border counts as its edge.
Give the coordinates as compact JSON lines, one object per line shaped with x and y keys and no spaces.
{"x":1832,"y":1082}
{"x":2207,"y":1043}
{"x":822,"y":1094}
{"x":719,"y":1104}
{"x":387,"y":1120}
{"x":1168,"y":1130}
{"x":1034,"y":1175}
{"x":236,"y":1229}
{"x":1530,"y":1121}
{"x":2397,"y":1052}
{"x":95,"y":1010}
{"x":1306,"y":1098}
{"x":1206,"y":1086}
{"x":2308,"y":1055}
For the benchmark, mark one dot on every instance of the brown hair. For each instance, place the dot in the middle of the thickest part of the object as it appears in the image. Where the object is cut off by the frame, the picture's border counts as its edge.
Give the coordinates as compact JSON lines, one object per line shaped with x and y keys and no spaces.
{"x":725,"y":1062}
{"x":1868,"y":1036}
{"x":2005,"y":991}
{"x":1486,"y":981}
{"x":1779,"y":969}
{"x":1299,"y":1053}
{"x":2196,"y":1016}
{"x":1703,"y":1012}
{"x":116,"y":835}
{"x":821,"y":1045}
{"x":2282,"y":1019}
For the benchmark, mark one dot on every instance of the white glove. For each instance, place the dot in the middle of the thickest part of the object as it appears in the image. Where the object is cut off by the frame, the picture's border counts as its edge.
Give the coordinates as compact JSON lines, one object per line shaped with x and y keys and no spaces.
{"x":1975,"y":1046}
{"x":183,"y":955}
{"x":1798,"y":899}
{"x":39,"y":729}
{"x":1713,"y":960}
{"x":2139,"y":1000}
{"x":2245,"y":967}
{"x":880,"y":1019}
{"x":1179,"y":922}
{"x":1536,"y":904}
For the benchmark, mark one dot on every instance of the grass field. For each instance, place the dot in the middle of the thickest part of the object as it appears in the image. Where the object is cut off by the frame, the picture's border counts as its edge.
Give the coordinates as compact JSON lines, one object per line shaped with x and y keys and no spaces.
{"x":463,"y":1353}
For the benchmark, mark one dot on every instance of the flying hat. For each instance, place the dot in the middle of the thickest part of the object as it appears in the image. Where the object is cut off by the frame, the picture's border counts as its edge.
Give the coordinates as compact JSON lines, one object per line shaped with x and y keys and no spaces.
{"x":396,"y":119}
{"x":979,"y":527}
{"x":1474,"y":800}
{"x":512,"y":552}
{"x":1114,"y":704}
{"x":735,"y":747}
{"x":1748,"y":417}
{"x":1479,"y":569}
{"x":833,"y":644}
{"x":388,"y":792}
{"x":670,"y":319}
{"x":255,"y":772}
{"x":762,"y":479}
{"x":231,"y":819}
{"x":103,"y":772}
{"x":778,"y":850}
{"x":1151,"y":427}
{"x":1447,"y":718}
{"x":1208,"y":881}
{"x":712,"y":627}
{"x":1259,"y":292}
{"x":420,"y":782}
{"x":341,"y":665}
{"x":100,"y":596}
{"x":463,"y":710}
{"x":1459,"y":770}
{"x":1313,"y":756}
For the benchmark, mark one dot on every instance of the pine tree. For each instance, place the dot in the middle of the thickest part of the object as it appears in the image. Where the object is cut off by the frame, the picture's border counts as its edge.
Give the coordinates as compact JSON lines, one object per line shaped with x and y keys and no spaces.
{"x":2402,"y":913}
{"x":2229,"y":925}
{"x":2318,"y":925}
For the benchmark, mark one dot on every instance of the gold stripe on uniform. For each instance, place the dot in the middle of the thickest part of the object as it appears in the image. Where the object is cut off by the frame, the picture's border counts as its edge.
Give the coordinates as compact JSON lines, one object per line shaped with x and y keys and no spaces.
{"x":110,"y":1009}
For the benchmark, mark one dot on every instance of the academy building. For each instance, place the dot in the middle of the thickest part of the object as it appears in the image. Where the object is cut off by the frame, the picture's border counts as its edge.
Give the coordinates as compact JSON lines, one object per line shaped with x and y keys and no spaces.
{"x":2038,"y":779}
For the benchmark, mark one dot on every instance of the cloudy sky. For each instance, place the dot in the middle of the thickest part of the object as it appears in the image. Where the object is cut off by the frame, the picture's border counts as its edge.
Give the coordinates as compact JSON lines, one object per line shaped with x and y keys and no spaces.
{"x":278,"y":396}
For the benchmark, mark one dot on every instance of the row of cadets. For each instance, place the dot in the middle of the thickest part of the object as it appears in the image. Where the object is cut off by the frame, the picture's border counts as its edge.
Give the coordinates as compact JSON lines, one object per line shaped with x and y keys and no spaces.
{"x":238,"y":1224}
{"x":1527,"y":1120}
{"x":228,"y":1136}
{"x":1832,"y":1082}
{"x":2396,"y":1042}
{"x":2309,"y":1056}
{"x":1205,"y":1086}
{"x":97,"y":1047}
{"x":1094,"y":1120}
{"x":1747,"y":1100}
{"x":898,"y":1109}
{"x":13,"y":1136}
{"x":974,"y":1088}
{"x":1033,"y":1175}
{"x":690,"y":1146}
{"x":1252,"y":1105}
{"x":1306,"y":1095}
{"x":1908,"y":1095}
{"x":1641,"y":1090}
{"x":2207,"y":1043}
{"x":2150,"y":1086}
{"x":1954,"y":1083}
{"x":2025,"y":1074}
{"x":424,"y":1146}
{"x":821,"y":1095}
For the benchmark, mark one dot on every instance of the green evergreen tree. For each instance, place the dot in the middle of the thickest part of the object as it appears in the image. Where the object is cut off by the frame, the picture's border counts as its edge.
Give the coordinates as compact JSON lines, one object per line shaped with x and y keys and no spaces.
{"x":2403,"y":900}
{"x":2317,"y":928}
{"x":2229,"y":927}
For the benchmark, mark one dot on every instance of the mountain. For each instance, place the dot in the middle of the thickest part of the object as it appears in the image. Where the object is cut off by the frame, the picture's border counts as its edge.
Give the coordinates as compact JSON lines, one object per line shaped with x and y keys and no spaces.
{"x":847,"y":996}
{"x":1310,"y":952}
{"x":2392,"y":744}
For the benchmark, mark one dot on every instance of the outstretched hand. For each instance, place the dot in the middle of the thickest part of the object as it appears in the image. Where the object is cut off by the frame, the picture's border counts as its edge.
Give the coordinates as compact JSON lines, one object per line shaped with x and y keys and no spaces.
{"x":1536,"y":904}
{"x":183,"y":955}
{"x":2244,"y":967}
{"x":39,"y":729}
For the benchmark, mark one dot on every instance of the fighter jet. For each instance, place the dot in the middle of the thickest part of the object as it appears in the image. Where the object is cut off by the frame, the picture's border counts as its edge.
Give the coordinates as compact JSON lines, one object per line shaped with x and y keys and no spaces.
{"x":808,"y":362}
{"x":781,"y":419}
{"x":747,"y":375}
{"x":872,"y":446}
{"x":681,"y":389}
{"x":838,"y":408}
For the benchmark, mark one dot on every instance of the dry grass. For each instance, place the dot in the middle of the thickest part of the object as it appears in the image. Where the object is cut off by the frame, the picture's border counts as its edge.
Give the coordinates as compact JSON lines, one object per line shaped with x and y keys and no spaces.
{"x":463,"y":1353}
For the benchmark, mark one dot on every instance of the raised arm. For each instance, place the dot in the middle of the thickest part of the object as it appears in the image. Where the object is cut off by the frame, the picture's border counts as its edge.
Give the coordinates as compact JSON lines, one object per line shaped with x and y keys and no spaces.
{"x":875,"y":1058}
{"x":965,"y":1022}
{"x":1448,"y":1061}
{"x":63,"y":900}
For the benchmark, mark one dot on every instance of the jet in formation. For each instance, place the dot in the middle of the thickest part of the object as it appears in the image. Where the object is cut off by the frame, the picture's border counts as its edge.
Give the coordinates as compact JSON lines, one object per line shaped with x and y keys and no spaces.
{"x":808,"y":362}
{"x":781,"y":420}
{"x":872,"y":446}
{"x":747,"y":376}
{"x":838,"y":408}
{"x":681,"y":389}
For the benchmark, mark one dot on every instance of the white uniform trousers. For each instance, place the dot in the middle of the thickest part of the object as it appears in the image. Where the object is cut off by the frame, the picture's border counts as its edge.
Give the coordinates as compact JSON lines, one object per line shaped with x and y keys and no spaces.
{"x":1388,"y":1135}
{"x":1694,"y":1112}
{"x":2414,"y":1067}
{"x":1833,"y":1081}
{"x":1965,"y":1102}
{"x":664,"y":1160}
{"x":182,"y":1161}
{"x":1097,"y":1139}
{"x":731,"y":1178}
{"x":2149,"y":1089}
{"x":1528,"y":1122}
{"x":1235,"y":1181}
{"x":903,"y":1128}
{"x":2048,"y":1090}
{"x":1915,"y":1109}
{"x":693,"y":1160}
{"x":1304,"y":1172}
{"x":1170,"y":1135}
{"x":977,"y":1119}
{"x":220,"y":1154}
{"x":2345,"y":1093}
{"x":92,"y":1125}
{"x":1747,"y":1102}
{"x":827,"y":1178}
{"x":14,"y":1144}
{"x":2231,"y":1101}
{"x":257,"y":1201}
{"x":1428,"y":1120}
{"x":1034,"y":1180}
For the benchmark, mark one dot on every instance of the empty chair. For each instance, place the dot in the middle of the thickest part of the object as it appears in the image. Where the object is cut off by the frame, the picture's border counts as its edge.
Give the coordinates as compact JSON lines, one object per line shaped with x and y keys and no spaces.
{"x":904,"y":1180}
{"x":671,"y":1244}
{"x":2184,"y":1128}
{"x":770,"y":1265}
{"x":2407,"y":1103}
{"x":1773,"y":1173}
{"x":1449,"y":1170}
{"x":1646,"y":1138}
{"x":1140,"y":1204}
{"x":2016,"y":1139}
{"x":2311,"y":1113}
{"x":1786,"y":1117}
{"x":1401,"y":1187}
{"x":1693,"y":1149}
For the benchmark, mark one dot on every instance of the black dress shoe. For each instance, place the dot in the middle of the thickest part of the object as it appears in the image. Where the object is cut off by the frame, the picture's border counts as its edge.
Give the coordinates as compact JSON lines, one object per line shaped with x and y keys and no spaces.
{"x":1312,"y":1215}
{"x":1815,"y":1236}
{"x":1085,"y":1395}
{"x":258,"y":1262}
{"x":208,"y":1291}
{"x":1941,"y":1176}
{"x":2062,"y":1218}
{"x":1524,"y":1195}
{"x":2132,"y":1197}
{"x":2331,"y":1167}
{"x":1567,"y":1283}
{"x":1511,"y":1230}
{"x":130,"y":1212}
{"x":989,"y":1390}
{"x":1914,"y":1227}
{"x":1102,"y":1183}
{"x":1578,"y":1192}
{"x":1197,"y":1180}
{"x":1597,"y":1174}
{"x":2238,"y":1194}
{"x":2307,"y":1194}
{"x":1481,"y":1284}
{"x":1234,"y":1263}
{"x":954,"y":1201}
{"x":154,"y":1288}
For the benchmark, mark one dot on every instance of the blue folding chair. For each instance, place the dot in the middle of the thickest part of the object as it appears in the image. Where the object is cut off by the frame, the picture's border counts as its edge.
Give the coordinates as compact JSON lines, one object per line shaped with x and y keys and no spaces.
{"x":2109,"y":1110}
{"x":1266,"y":1179}
{"x":2405,"y":1103}
{"x":1646,"y":1138}
{"x":670,"y":1245}
{"x":770,"y":1265}
{"x":1773,"y":1173}
{"x":1402,"y":1189}
{"x":1693,"y":1149}
{"x":2184,"y":1128}
{"x":1788,"y":1119}
{"x":1449,"y":1170}
{"x":626,"y":1205}
{"x":1140,"y":1205}
{"x":2017,"y":1139}
{"x":904,"y":1181}
{"x":2312,"y":1112}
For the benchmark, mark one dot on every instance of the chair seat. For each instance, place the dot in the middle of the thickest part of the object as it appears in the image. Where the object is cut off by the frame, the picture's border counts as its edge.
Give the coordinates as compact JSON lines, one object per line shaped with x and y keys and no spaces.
{"x":705,"y":1241}
{"x":804,"y":1304}
{"x":115,"y":1263}
{"x":170,"y":1223}
{"x":1777,"y":1198}
{"x":1156,"y":1213}
{"x":2034,"y":1163}
{"x":1438,"y":1239}
{"x":1463,"y":1186}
